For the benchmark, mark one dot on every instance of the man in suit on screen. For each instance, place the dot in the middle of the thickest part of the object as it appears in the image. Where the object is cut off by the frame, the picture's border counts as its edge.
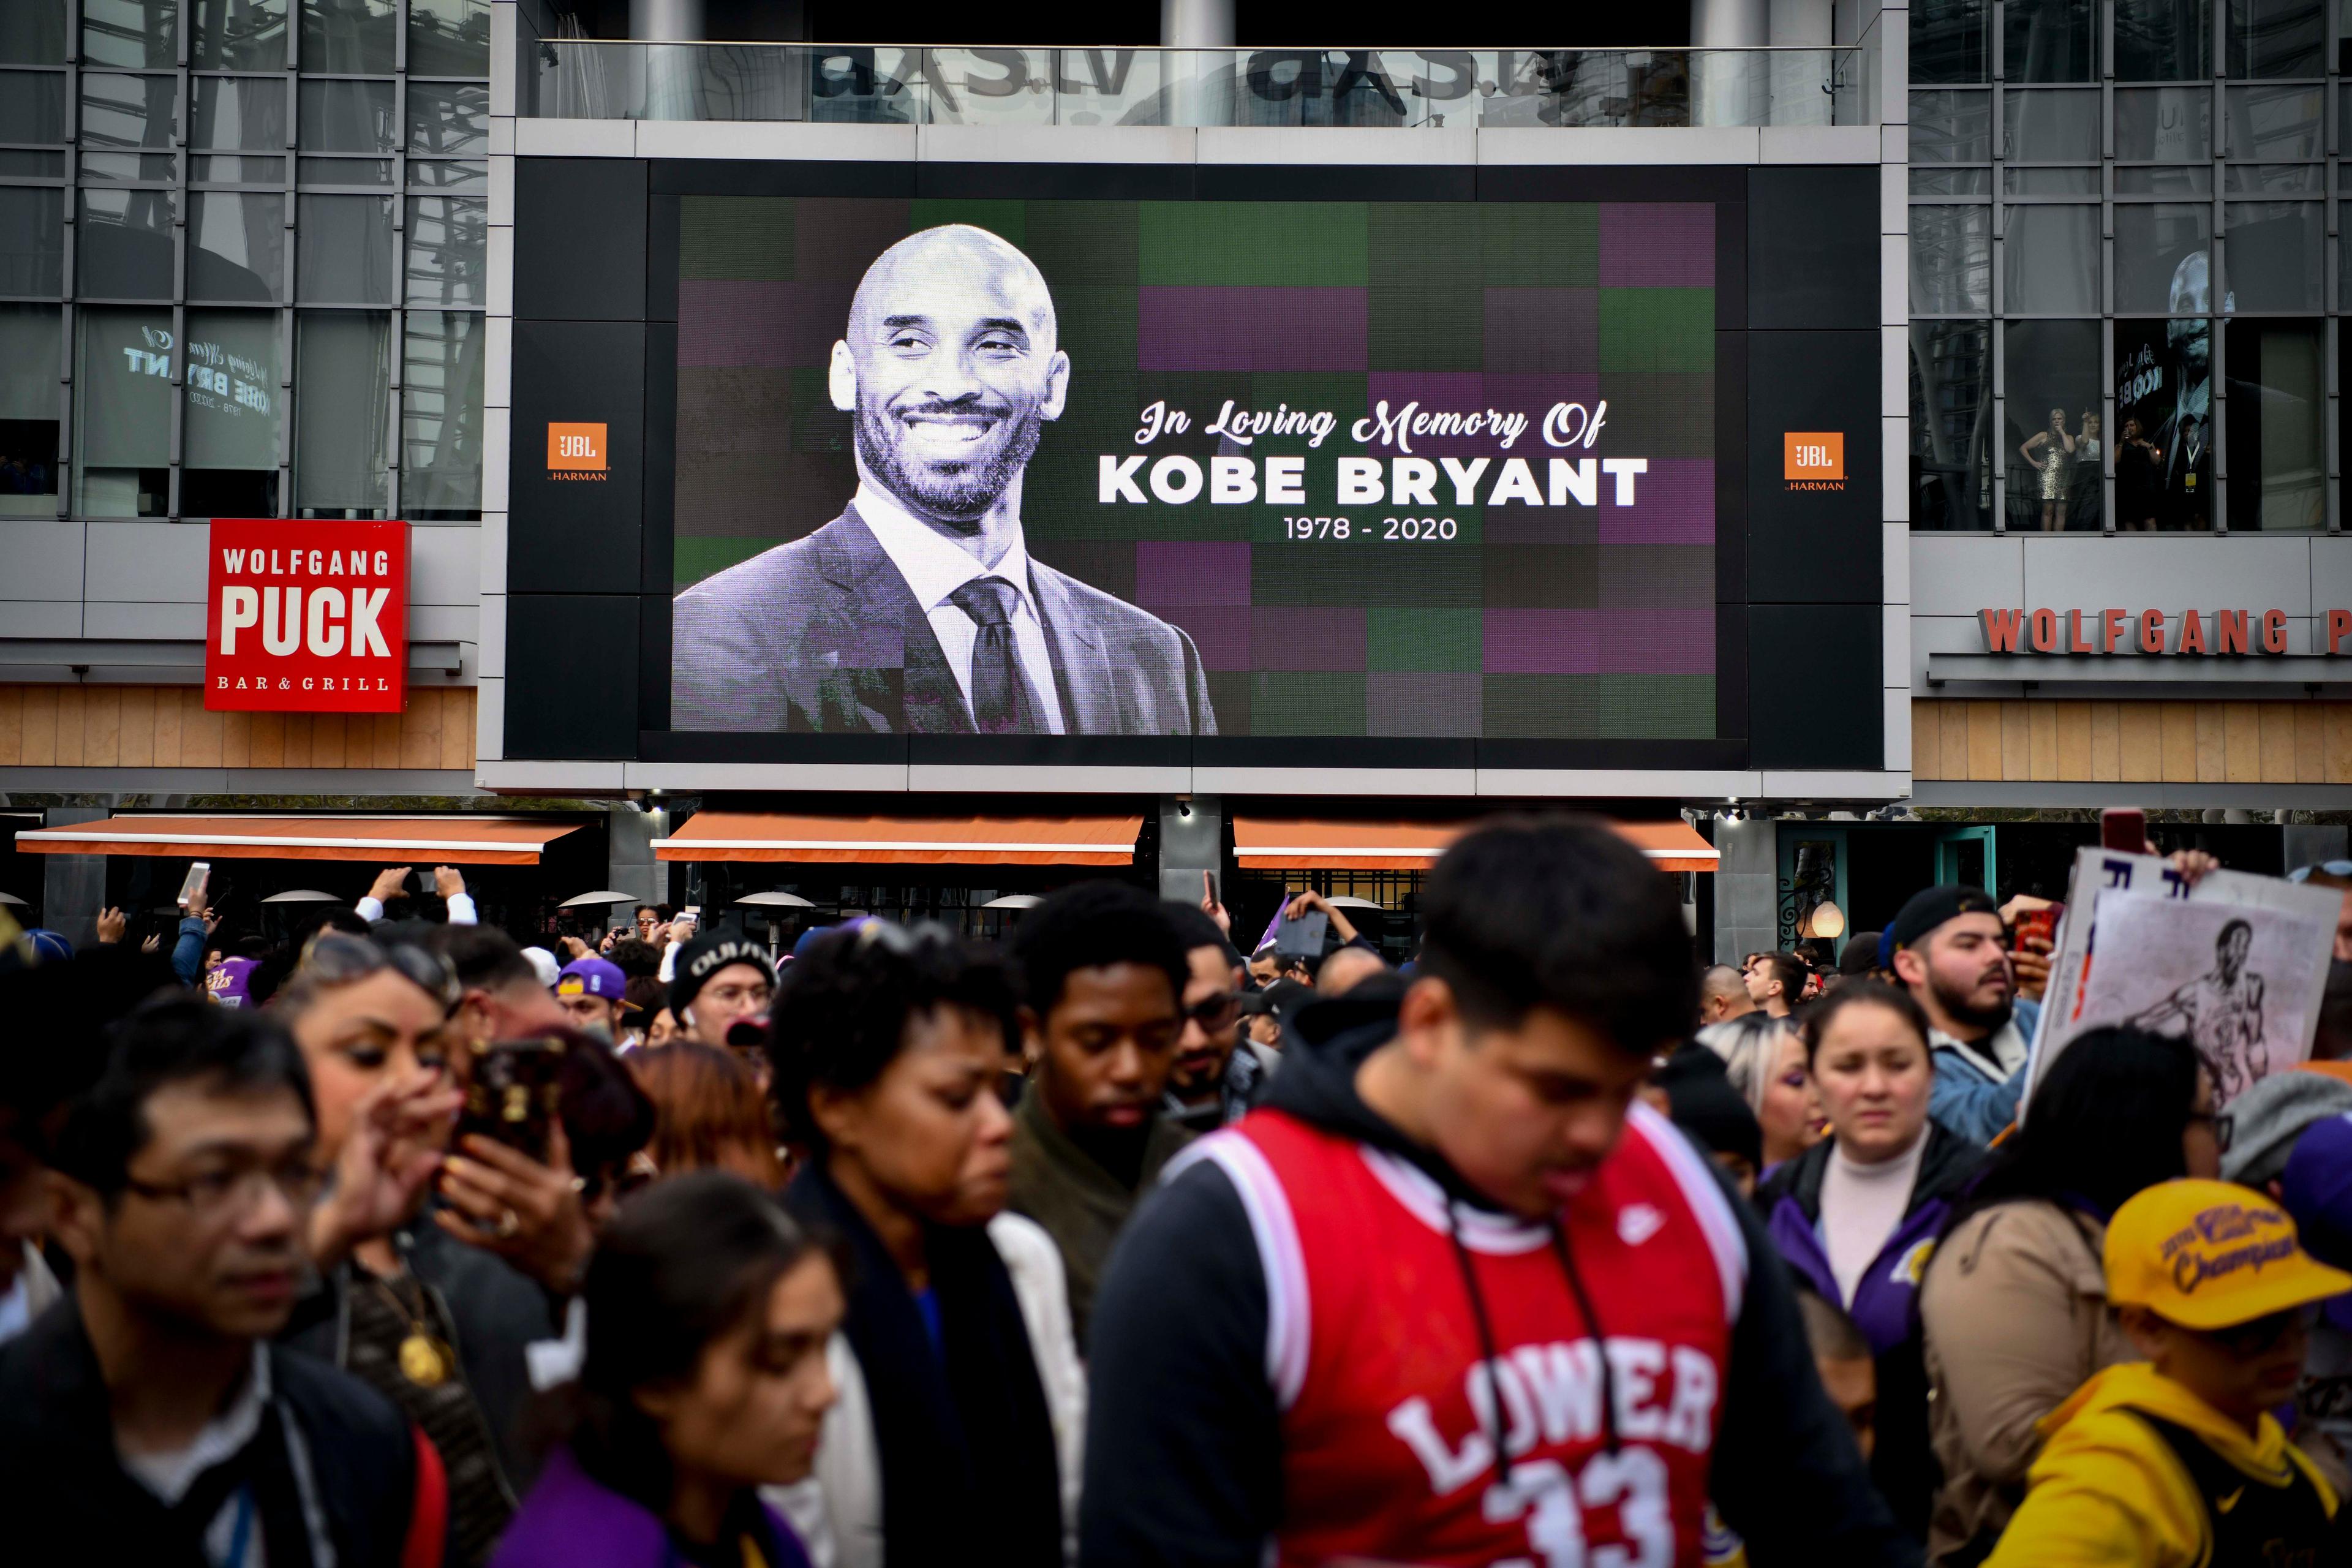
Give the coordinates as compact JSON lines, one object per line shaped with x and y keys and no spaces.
{"x":919,"y":609}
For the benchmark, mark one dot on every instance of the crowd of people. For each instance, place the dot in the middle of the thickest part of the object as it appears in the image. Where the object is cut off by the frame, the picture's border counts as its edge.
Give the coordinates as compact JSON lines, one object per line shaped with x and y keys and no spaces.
{"x":403,"y":1244}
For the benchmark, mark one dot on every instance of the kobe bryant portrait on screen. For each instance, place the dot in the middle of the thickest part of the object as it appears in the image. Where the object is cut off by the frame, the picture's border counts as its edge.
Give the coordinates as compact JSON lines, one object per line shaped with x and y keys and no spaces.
{"x":919,"y":610}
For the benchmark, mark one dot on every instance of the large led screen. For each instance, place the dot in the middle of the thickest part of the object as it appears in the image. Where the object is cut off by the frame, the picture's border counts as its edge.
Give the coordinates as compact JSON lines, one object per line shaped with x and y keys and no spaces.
{"x":1195,"y":467}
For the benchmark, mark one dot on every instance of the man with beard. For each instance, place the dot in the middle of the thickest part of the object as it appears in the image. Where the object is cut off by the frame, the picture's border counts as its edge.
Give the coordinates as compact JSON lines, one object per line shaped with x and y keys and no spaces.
{"x":1216,"y":1077}
{"x":919,"y":609}
{"x":1101,"y":970}
{"x":1946,"y":949}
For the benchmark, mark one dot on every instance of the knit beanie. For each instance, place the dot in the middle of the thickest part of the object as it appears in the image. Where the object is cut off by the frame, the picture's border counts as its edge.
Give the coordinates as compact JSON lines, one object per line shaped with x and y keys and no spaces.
{"x":705,"y":956}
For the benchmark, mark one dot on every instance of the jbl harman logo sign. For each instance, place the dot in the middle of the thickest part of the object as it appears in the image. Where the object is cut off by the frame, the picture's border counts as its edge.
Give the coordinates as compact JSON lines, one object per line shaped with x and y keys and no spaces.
{"x":1815,"y":460}
{"x":575,"y":451}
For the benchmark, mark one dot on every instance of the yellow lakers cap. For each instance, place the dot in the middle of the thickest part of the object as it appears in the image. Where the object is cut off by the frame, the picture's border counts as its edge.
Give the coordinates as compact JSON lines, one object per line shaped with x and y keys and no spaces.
{"x":2212,"y":1254}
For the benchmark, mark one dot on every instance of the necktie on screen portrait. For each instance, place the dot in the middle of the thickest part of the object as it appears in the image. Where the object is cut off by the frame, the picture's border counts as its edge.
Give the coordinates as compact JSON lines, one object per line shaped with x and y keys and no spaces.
{"x":1001,"y":702}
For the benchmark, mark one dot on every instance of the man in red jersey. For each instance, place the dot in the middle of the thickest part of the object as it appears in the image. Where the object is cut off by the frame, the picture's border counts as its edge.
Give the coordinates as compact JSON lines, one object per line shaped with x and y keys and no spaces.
{"x":1451,"y":1296}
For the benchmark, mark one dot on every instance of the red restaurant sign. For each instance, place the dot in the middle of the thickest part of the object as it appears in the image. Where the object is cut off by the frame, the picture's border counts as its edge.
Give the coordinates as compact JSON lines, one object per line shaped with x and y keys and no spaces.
{"x":306,"y":616}
{"x":2210,"y":633}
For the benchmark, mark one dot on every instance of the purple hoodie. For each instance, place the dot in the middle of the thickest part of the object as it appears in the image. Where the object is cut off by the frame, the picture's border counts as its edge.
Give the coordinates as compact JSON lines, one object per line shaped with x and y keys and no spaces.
{"x":571,"y":1521}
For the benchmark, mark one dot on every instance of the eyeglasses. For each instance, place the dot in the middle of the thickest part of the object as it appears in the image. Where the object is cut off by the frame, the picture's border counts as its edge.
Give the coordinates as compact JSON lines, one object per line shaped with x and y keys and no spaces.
{"x":218,"y":1195}
{"x":2332,"y":867}
{"x":1215,"y":1013}
{"x":339,"y":958}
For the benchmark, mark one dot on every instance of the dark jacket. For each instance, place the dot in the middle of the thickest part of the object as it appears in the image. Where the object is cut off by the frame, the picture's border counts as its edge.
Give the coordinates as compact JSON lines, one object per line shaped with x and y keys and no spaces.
{"x":66,"y":1498}
{"x":824,"y":633}
{"x":1184,"y":1458}
{"x":1886,"y":1301}
{"x":1081,"y":1205}
{"x":496,"y":1308}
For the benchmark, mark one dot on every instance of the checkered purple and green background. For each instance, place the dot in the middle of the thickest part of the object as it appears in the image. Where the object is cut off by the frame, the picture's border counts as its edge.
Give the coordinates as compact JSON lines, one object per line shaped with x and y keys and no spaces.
{"x":1533,"y":622}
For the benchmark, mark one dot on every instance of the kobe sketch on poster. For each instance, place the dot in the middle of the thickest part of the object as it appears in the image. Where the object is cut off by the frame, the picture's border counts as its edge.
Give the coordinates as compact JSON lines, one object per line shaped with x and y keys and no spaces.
{"x":919,"y":609}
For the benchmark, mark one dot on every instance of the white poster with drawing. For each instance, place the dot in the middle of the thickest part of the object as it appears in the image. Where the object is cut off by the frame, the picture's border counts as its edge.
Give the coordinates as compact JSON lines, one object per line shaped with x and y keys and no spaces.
{"x":2236,"y":965}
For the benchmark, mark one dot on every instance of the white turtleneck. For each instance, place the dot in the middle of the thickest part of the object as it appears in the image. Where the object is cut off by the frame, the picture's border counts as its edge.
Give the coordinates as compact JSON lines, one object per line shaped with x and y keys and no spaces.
{"x":1860,"y":1207}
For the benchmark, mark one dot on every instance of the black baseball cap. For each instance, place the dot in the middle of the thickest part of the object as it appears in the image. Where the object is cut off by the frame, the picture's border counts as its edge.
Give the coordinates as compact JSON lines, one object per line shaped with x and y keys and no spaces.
{"x":1928,"y":909}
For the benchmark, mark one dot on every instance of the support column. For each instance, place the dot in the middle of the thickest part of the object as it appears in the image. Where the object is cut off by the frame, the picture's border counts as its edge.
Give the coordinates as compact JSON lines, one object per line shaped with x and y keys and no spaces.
{"x":629,"y":865}
{"x":1746,"y":901}
{"x":1729,"y":89}
{"x":73,"y":887}
{"x":1192,"y":840}
{"x":673,"y":77}
{"x":1196,"y":24}
{"x":2308,"y":846}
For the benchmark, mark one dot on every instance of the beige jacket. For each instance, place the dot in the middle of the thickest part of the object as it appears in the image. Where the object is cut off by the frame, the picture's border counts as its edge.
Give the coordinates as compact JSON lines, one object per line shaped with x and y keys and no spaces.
{"x":2015,"y":1309}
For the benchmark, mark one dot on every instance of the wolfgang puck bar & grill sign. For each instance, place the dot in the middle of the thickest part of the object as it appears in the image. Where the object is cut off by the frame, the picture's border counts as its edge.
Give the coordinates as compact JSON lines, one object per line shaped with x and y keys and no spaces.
{"x":306,"y":616}
{"x":2211,"y":633}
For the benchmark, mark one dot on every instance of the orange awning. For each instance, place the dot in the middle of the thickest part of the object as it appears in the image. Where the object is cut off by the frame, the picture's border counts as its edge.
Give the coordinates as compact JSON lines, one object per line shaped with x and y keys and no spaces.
{"x":926,"y":841}
{"x":1267,"y":844}
{"x":447,"y":840}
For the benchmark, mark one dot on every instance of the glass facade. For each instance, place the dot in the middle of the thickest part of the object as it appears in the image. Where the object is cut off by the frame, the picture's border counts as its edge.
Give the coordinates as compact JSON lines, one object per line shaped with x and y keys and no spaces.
{"x":2124,"y":263}
{"x":250,"y":284}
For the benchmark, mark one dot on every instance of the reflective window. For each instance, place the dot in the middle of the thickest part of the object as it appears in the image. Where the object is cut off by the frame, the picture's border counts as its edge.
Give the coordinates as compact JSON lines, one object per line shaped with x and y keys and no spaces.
{"x":2274,"y":180}
{"x":450,"y":38}
{"x":1951,"y":260}
{"x":33,"y":106}
{"x":131,"y":33}
{"x":448,"y":175}
{"x":2164,"y":124}
{"x":447,"y":238}
{"x":1951,"y":181}
{"x":33,"y":33}
{"x":2161,"y":254}
{"x":123,"y":112}
{"x":343,"y":413}
{"x":2047,"y":127}
{"x":2277,"y":38}
{"x":441,"y":416}
{"x":32,"y":240}
{"x":343,"y":250}
{"x":32,"y":163}
{"x":2275,"y":257}
{"x":123,"y":245}
{"x":2164,"y":421}
{"x":233,"y":169}
{"x":1951,"y":127}
{"x":237,"y":35}
{"x":374,"y":172}
{"x":2052,"y":40}
{"x":2028,"y":181}
{"x":2274,"y":124}
{"x":355,"y":36}
{"x":348,"y":117}
{"x":237,"y":246}
{"x":122,"y":413}
{"x":2051,"y":260}
{"x":30,"y":383}
{"x":2154,"y":180}
{"x":2278,"y":461}
{"x":1948,"y":40}
{"x":2163,"y":41}
{"x":1951,"y":424}
{"x":129,"y":168}
{"x":237,"y":113}
{"x":228,"y":434}
{"x":448,"y":119}
{"x":2051,"y":396}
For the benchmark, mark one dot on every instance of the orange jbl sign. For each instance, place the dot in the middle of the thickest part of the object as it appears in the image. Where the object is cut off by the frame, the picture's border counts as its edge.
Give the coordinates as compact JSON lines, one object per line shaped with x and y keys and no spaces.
{"x":575,"y":447}
{"x":1814,"y":455}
